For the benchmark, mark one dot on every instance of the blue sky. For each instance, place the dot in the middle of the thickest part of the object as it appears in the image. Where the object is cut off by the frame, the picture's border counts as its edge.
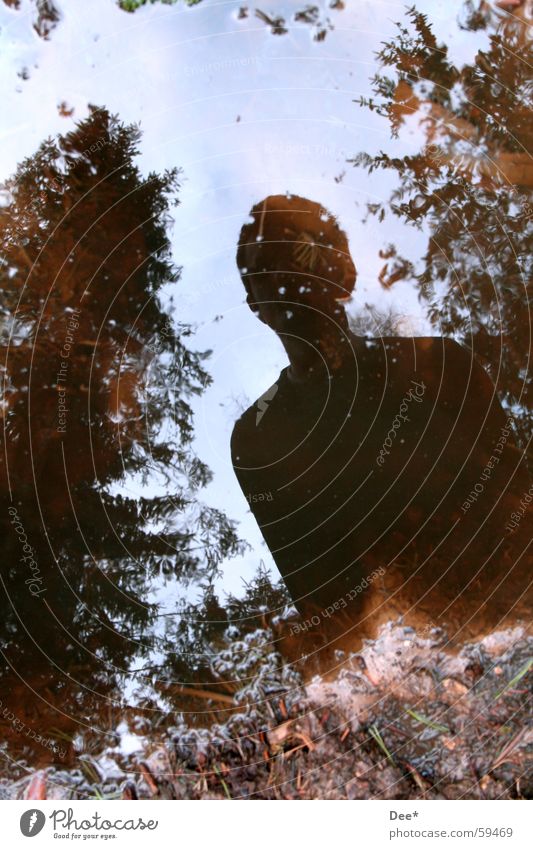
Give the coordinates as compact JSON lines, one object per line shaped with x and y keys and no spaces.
{"x":245,"y":114}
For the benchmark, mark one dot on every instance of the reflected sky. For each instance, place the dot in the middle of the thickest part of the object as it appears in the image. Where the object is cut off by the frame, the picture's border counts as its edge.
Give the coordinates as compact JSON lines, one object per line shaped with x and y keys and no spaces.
{"x":244,"y":114}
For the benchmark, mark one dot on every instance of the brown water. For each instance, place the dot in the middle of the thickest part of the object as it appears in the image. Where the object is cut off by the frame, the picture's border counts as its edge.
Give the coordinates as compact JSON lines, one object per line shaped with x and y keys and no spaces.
{"x":120,"y":605}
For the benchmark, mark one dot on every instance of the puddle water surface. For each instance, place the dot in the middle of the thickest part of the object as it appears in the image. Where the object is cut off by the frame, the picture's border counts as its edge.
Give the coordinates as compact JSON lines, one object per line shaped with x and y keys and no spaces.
{"x":265,"y":357}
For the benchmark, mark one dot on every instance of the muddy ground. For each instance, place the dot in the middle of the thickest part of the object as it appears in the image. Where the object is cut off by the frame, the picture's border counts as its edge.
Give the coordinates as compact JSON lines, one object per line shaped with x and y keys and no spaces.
{"x":406,"y":716}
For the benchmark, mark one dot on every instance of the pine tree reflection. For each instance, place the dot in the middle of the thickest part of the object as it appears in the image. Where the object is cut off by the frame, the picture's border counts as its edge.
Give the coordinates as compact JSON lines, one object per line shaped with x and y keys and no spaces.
{"x":96,"y":419}
{"x":470,"y":186}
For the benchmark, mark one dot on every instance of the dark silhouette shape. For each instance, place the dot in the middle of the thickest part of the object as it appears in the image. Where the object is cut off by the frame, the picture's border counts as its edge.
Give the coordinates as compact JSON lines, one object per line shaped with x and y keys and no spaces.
{"x":384,"y":453}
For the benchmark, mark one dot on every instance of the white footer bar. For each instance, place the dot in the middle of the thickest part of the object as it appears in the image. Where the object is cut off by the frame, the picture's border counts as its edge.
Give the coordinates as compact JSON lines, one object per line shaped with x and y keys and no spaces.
{"x":276,"y":825}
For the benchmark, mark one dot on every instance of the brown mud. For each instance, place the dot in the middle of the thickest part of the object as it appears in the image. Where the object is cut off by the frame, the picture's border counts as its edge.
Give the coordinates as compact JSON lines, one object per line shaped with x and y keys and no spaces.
{"x":404,"y":717}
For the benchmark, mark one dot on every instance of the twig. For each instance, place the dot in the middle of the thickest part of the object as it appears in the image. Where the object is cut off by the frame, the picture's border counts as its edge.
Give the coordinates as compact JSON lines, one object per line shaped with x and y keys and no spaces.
{"x":508,"y":748}
{"x":207,"y":694}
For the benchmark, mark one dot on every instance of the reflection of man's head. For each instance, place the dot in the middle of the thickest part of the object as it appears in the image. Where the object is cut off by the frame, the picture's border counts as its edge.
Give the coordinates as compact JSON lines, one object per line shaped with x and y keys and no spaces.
{"x":295,"y":264}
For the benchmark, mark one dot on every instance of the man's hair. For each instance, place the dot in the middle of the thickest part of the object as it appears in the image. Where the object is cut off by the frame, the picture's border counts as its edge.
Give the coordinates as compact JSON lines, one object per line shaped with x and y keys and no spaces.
{"x":296,"y":236}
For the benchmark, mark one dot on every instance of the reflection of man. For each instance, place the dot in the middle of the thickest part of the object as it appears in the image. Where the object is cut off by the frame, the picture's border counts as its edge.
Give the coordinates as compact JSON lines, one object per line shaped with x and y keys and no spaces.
{"x":374,"y":451}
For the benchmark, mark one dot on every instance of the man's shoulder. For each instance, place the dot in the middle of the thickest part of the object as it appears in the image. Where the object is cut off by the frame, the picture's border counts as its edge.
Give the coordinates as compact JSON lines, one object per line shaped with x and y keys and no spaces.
{"x":420,"y":344}
{"x":423,"y":352}
{"x":451,"y":370}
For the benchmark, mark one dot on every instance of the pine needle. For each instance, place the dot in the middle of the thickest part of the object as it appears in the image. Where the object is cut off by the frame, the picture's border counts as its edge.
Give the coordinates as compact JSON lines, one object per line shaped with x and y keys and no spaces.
{"x":425,"y":721}
{"x":381,"y":743}
{"x":62,"y":734}
{"x":224,"y":785}
{"x":525,"y":669}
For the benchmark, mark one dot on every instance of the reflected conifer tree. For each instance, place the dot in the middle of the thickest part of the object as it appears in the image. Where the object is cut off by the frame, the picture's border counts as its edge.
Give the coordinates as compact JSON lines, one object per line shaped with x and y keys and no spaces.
{"x":97,"y":477}
{"x":469,"y":187}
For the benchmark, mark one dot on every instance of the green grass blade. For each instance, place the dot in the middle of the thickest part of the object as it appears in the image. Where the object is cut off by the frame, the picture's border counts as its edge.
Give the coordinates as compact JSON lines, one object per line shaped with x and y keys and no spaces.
{"x":381,"y":743}
{"x":224,"y":785}
{"x":519,"y":675}
{"x":425,"y":721}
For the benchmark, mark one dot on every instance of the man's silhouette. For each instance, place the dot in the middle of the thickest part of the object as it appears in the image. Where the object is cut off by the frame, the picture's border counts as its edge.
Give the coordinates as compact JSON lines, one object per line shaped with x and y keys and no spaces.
{"x":384,"y":452}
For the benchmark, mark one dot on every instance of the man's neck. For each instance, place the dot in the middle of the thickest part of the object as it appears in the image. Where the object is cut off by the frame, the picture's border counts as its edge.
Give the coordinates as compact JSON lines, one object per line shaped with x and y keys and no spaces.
{"x":307,"y":364}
